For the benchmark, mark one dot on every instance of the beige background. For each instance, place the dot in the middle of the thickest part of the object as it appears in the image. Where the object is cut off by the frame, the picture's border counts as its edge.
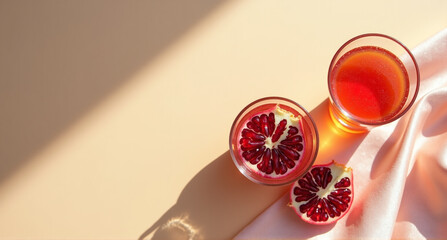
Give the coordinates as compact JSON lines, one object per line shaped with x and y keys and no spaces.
{"x":115,"y":114}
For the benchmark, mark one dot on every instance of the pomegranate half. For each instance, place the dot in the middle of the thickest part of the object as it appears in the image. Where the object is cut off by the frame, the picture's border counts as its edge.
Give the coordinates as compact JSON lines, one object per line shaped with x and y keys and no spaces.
{"x":273,"y":141}
{"x":324,"y":194}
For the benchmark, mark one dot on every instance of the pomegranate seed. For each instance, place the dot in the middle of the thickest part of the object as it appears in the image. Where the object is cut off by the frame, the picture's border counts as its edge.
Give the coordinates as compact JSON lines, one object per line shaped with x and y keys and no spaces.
{"x":292,"y":131}
{"x":282,"y":167}
{"x":253,"y":155}
{"x":300,"y":191}
{"x":331,"y":210}
{"x":270,"y":167}
{"x":291,"y":141}
{"x":342,"y":192}
{"x":271,"y":123}
{"x":327,"y":178}
{"x":311,"y":181}
{"x":313,"y":214}
{"x":316,"y":174}
{"x":279,"y":130}
{"x":277,"y":158}
{"x":285,"y":160}
{"x":254,"y":124}
{"x":344,"y":182}
{"x":266,"y":164}
{"x":346,"y":199}
{"x":264,"y":125}
{"x":307,"y":206}
{"x":340,"y":205}
{"x":299,"y":147}
{"x":276,"y":163}
{"x":247,"y":133}
{"x":319,"y":213}
{"x":247,"y":144}
{"x":323,"y":212}
{"x":305,"y":184}
{"x":290,"y":153}
{"x":303,"y":195}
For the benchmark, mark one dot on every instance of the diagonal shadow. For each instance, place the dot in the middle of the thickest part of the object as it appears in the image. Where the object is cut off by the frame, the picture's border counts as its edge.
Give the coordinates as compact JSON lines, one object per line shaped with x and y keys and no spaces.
{"x":60,"y":58}
{"x":214,"y":204}
{"x":218,"y":201}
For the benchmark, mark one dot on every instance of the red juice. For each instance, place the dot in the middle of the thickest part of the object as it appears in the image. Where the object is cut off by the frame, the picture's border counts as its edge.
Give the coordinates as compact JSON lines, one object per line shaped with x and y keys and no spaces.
{"x":370,"y":83}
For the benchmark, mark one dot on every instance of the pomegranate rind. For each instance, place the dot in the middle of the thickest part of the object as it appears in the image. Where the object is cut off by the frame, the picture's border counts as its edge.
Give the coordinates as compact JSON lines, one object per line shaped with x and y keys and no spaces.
{"x":339,"y":173}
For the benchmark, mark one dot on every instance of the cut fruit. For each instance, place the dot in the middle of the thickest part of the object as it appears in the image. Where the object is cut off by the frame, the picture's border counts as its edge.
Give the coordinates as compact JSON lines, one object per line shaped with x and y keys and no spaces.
{"x":324,"y":194}
{"x":272,"y":143}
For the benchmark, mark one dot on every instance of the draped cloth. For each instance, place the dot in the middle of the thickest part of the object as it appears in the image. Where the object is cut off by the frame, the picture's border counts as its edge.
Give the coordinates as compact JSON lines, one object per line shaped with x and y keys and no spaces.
{"x":400,"y":170}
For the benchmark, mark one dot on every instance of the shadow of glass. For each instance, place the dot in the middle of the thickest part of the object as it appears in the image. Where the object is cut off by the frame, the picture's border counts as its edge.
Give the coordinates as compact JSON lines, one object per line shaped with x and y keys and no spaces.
{"x":335,"y":144}
{"x":60,"y":58}
{"x":219,"y":200}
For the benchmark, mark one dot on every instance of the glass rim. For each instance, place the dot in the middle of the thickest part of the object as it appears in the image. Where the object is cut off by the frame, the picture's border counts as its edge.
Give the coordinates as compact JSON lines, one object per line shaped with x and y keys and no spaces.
{"x":245,"y":171}
{"x":413,"y":59}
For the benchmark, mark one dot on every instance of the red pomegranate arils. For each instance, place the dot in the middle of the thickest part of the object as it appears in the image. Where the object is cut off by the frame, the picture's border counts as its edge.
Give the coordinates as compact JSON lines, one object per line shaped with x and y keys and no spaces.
{"x":344,"y":182}
{"x":279,"y":130}
{"x":264,"y":125}
{"x":292,"y":141}
{"x":254,"y":124}
{"x":275,"y":161}
{"x":248,"y":144}
{"x":247,"y":133}
{"x":302,"y":195}
{"x":292,"y":131}
{"x":310,"y":180}
{"x":324,"y":194}
{"x":309,"y":206}
{"x":307,"y":186}
{"x":271,"y":123}
{"x":253,"y":155}
{"x":285,"y":160}
{"x":337,"y":202}
{"x":263,"y":142}
{"x":331,"y":209}
{"x":265,"y":165}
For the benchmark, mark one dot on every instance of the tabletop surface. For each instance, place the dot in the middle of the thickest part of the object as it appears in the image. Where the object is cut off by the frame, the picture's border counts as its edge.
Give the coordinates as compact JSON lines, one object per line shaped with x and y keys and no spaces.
{"x":115,"y":115}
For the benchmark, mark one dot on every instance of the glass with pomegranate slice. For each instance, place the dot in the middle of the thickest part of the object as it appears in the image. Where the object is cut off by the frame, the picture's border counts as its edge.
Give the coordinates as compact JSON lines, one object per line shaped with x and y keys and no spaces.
{"x":373,"y":79}
{"x":273,"y":141}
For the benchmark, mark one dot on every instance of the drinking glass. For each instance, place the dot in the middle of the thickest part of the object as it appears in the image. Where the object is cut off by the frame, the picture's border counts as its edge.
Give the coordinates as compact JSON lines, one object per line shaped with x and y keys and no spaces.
{"x":383,"y":80}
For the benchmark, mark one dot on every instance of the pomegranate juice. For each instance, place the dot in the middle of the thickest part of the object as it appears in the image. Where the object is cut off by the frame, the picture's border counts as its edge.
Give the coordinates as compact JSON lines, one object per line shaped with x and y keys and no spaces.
{"x":370,"y":83}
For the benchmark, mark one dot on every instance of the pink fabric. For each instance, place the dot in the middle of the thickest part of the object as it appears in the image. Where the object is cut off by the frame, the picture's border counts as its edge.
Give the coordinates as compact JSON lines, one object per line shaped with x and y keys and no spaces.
{"x":400,"y":170}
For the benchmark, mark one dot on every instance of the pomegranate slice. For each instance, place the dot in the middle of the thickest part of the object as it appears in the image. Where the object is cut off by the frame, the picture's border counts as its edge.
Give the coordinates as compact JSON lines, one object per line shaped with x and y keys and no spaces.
{"x":272,"y":142}
{"x":324,"y":194}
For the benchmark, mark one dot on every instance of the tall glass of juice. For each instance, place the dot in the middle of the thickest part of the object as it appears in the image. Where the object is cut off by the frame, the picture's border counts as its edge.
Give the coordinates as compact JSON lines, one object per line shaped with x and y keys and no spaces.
{"x":373,"y":79}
